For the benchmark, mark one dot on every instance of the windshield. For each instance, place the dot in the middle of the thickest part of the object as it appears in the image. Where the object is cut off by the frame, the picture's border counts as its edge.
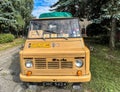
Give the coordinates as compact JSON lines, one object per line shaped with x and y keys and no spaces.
{"x":54,"y":28}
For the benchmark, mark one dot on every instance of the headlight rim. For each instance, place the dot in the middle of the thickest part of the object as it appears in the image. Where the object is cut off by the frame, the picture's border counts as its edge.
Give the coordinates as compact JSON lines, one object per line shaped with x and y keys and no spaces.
{"x":79,"y":61}
{"x":28,"y":62}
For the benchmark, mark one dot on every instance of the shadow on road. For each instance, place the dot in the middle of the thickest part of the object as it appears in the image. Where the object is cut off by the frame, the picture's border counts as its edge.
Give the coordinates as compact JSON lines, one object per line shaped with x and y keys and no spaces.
{"x":15,"y":67}
{"x":15,"y":71}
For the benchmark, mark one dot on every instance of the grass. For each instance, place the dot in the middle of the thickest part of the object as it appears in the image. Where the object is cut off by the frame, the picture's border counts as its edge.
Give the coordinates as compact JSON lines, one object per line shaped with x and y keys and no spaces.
{"x":105,"y":70}
{"x":16,"y":42}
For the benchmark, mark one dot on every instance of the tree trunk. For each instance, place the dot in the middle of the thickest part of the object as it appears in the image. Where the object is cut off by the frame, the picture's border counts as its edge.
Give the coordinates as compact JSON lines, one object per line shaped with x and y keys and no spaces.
{"x":112,"y":34}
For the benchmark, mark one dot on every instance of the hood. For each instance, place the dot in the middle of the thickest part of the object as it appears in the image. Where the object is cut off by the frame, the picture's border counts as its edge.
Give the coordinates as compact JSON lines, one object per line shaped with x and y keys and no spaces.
{"x":54,"y":46}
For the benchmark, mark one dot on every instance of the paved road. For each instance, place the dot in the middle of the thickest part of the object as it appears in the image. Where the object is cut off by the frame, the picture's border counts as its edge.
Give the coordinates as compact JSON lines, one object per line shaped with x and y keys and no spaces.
{"x":9,"y":75}
{"x":9,"y":69}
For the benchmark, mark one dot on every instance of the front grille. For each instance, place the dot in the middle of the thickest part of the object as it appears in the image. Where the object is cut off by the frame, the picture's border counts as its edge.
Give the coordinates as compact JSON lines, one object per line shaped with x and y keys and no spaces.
{"x":53,"y":65}
{"x":66,"y":65}
{"x":41,"y":63}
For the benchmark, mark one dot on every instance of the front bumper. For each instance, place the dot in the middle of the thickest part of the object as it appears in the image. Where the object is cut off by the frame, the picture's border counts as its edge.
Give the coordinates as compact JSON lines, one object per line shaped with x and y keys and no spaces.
{"x":84,"y":78}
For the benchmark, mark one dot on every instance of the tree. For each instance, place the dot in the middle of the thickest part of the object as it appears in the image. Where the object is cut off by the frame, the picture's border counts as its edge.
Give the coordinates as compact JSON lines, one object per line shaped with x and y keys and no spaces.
{"x":76,"y":7}
{"x":7,"y":15}
{"x":101,"y":10}
{"x":15,"y":15}
{"x":24,"y":8}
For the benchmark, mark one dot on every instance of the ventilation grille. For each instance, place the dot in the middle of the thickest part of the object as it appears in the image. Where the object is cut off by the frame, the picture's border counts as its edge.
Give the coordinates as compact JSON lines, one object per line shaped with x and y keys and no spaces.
{"x":66,"y":65}
{"x":53,"y":65}
{"x":40,"y":63}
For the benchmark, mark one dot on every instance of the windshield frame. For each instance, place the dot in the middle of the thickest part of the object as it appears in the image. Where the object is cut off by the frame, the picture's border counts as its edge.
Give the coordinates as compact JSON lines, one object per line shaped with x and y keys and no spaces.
{"x":42,"y":19}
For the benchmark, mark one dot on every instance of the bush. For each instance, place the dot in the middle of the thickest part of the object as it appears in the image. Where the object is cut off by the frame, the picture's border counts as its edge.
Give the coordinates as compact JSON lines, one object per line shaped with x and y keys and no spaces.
{"x":96,"y":30}
{"x":104,"y":39}
{"x":101,"y":39}
{"x":4,"y":38}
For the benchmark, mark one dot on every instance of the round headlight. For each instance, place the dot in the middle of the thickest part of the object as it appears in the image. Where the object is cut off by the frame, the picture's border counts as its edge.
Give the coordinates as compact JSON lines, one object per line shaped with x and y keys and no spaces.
{"x":28,"y":64}
{"x":79,"y":63}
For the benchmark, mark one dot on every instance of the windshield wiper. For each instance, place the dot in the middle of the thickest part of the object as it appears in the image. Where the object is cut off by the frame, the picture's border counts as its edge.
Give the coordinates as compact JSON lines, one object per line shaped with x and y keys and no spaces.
{"x":50,"y":31}
{"x":66,"y":38}
{"x":37,"y":32}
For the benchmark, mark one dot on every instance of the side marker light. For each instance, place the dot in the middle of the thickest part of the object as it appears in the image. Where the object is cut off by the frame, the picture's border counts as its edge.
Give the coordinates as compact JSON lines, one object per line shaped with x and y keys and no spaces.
{"x":29,"y":73}
{"x":79,"y":73}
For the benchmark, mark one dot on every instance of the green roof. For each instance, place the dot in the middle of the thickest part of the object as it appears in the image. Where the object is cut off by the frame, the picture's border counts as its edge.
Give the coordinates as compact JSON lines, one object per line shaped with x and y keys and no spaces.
{"x":56,"y":15}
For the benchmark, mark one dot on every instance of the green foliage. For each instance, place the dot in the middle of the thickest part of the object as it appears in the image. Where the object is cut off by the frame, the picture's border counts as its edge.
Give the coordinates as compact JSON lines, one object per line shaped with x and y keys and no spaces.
{"x":15,"y":14}
{"x":16,"y":42}
{"x":4,"y":38}
{"x":20,"y":20}
{"x":104,"y":69}
{"x":77,"y":8}
{"x":106,"y":9}
{"x":96,"y":30}
{"x":7,"y":18}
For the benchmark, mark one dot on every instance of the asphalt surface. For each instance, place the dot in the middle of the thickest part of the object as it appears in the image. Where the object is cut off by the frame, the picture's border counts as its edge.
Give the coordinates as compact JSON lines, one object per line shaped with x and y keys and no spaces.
{"x":9,"y":75}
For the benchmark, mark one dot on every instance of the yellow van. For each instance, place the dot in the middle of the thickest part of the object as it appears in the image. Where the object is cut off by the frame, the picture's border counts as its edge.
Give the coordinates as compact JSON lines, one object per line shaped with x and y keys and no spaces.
{"x":55,"y":52}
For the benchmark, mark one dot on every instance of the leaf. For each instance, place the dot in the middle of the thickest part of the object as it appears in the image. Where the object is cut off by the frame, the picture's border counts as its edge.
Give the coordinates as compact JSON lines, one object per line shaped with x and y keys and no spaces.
{"x":104,"y":10}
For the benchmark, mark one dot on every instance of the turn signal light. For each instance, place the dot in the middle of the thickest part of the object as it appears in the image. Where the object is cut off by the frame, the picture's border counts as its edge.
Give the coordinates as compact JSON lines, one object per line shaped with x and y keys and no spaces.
{"x":29,"y":73}
{"x":79,"y":73}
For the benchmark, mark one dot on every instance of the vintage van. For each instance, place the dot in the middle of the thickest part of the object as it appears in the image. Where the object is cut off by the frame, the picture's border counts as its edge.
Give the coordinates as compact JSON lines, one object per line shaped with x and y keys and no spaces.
{"x":54,"y":51}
